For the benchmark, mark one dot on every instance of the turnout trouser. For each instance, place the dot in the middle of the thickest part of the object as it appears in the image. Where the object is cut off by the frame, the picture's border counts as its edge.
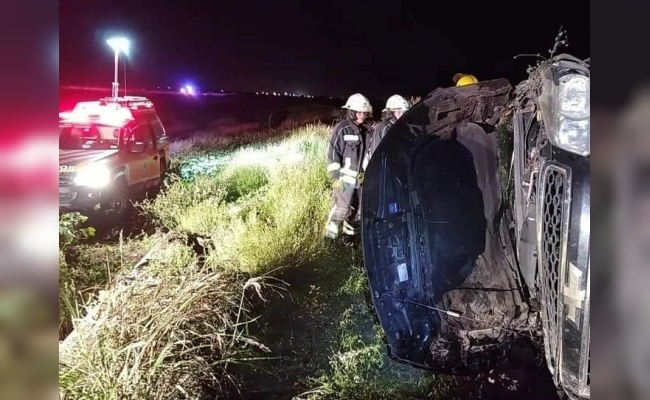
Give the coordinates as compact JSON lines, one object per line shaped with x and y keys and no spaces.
{"x":346,"y":206}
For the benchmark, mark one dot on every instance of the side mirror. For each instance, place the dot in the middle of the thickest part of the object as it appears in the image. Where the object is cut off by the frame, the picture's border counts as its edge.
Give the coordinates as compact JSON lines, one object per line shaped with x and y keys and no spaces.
{"x":138,"y":147}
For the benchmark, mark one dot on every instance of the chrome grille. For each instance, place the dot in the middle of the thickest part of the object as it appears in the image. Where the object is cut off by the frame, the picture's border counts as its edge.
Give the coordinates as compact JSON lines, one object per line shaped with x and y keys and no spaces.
{"x":552,"y":212}
{"x":67,"y":196}
{"x":65,"y":178}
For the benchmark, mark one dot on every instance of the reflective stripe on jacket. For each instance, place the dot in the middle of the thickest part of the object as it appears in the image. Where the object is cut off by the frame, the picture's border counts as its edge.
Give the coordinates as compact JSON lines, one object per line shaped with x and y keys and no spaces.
{"x":346,"y":150}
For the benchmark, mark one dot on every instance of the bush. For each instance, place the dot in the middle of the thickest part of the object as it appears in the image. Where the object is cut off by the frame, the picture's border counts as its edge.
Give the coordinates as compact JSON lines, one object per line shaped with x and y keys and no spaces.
{"x":71,"y":229}
{"x":281,"y":224}
{"x":265,"y":209}
{"x":242,"y":181}
{"x":180,"y":196}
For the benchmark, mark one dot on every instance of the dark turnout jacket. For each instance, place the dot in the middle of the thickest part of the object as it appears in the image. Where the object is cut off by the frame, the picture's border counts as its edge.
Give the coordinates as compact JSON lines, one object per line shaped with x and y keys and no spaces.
{"x":346,"y":150}
{"x":375,"y":137}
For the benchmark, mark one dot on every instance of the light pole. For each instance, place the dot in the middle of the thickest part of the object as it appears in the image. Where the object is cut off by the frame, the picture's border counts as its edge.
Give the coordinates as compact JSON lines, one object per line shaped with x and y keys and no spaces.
{"x":118,"y":44}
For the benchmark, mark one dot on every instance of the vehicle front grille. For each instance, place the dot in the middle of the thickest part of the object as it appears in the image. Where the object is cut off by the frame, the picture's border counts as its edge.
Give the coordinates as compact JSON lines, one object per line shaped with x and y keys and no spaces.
{"x":67,"y":196}
{"x":552,"y":230}
{"x":65,"y":178}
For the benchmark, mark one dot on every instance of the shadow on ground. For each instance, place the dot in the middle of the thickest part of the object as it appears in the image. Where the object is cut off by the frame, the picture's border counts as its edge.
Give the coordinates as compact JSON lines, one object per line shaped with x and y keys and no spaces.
{"x":326,"y":316}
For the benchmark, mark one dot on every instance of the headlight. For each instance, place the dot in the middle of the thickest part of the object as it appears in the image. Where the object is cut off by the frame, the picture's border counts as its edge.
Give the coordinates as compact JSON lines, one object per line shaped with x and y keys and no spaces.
{"x":566,"y":112}
{"x":93,"y":175}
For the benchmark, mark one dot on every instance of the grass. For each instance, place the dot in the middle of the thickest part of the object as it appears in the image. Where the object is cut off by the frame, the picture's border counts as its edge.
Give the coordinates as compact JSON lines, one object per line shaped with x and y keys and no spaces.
{"x":169,"y":333}
{"x":262,"y":306}
{"x":101,"y":262}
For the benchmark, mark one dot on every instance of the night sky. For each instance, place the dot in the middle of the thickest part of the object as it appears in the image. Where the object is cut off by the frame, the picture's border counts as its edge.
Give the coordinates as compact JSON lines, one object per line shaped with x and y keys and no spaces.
{"x":314,"y":47}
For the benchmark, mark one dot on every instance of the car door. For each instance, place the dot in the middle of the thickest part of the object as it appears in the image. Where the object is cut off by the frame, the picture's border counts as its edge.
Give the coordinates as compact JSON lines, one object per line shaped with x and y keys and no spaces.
{"x":162,"y":141}
{"x":152,"y":153}
{"x":140,"y":162}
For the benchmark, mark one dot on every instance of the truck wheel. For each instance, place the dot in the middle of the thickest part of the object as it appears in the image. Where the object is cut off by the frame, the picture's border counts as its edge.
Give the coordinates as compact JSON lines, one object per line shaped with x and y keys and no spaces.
{"x":118,"y":202}
{"x":163,"y":171}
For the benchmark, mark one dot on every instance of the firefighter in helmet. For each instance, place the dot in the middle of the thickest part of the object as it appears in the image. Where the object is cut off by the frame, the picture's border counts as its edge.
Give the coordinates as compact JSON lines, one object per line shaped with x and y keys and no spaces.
{"x":396,"y":105}
{"x":344,"y":157}
{"x":461,"y":79}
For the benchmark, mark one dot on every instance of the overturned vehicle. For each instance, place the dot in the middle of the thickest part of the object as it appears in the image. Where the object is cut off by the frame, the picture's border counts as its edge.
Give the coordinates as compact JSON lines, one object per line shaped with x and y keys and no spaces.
{"x":475,"y":225}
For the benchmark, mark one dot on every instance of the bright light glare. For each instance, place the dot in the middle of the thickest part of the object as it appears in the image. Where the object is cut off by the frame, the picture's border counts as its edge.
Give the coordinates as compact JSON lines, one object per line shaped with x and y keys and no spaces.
{"x":94,"y":175}
{"x":188,"y":90}
{"x":119,"y":44}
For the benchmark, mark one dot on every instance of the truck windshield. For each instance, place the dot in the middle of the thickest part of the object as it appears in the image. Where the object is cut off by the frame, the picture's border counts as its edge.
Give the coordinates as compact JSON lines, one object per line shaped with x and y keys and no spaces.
{"x":91,"y":137}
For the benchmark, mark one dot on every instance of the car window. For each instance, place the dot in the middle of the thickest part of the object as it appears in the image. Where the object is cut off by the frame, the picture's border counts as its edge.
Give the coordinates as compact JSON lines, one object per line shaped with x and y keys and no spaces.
{"x":143,"y":133}
{"x":157,"y":127}
{"x":93,"y":137}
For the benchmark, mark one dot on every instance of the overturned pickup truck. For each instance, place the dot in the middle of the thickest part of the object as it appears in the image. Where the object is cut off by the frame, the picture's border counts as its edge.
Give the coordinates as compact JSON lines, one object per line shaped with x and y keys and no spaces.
{"x":475,"y":225}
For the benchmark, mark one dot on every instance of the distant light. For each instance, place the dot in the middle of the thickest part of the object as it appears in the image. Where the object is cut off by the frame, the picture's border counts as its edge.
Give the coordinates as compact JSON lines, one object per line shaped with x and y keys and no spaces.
{"x":183,"y":90}
{"x":119,"y":44}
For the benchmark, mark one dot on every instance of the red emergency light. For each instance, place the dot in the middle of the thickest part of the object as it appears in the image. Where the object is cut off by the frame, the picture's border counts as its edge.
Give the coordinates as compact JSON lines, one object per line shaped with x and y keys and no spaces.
{"x":107,"y":111}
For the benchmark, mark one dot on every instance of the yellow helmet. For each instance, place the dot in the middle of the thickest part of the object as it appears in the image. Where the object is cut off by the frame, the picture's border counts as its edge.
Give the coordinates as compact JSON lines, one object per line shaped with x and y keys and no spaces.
{"x":464,"y":79}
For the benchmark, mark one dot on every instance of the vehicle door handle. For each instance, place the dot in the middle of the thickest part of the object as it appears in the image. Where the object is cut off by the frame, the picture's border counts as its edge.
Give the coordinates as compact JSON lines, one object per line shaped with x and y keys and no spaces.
{"x":155,"y":157}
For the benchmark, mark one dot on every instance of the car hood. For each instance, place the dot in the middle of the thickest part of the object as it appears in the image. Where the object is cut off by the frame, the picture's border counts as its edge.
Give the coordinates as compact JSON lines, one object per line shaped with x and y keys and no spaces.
{"x":434,"y":236}
{"x":79,"y":157}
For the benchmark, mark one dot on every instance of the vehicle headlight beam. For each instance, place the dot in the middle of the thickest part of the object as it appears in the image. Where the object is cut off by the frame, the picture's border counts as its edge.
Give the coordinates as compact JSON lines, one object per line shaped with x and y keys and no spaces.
{"x":94,"y":176}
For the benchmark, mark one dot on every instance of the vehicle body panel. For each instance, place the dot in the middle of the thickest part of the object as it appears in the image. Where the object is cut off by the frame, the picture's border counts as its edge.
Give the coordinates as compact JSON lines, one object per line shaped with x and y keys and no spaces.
{"x":475,"y":228}
{"x":433,"y":233}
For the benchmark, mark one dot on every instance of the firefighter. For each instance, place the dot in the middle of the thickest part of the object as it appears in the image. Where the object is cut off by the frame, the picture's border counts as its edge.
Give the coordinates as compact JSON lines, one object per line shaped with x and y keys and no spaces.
{"x":464,"y":79}
{"x":396,"y":105}
{"x":344,"y":157}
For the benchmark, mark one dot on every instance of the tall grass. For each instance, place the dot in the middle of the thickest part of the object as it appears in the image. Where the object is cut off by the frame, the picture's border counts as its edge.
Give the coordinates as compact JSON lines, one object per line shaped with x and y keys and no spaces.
{"x":173,"y":328}
{"x":168,"y":333}
{"x":264,"y":209}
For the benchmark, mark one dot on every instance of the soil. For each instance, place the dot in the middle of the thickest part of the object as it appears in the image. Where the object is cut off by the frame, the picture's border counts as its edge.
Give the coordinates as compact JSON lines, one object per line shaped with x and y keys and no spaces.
{"x":303,"y":330}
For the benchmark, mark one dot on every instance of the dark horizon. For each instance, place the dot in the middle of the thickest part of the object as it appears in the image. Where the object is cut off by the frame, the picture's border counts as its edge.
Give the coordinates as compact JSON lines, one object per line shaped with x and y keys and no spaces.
{"x":377,"y":49}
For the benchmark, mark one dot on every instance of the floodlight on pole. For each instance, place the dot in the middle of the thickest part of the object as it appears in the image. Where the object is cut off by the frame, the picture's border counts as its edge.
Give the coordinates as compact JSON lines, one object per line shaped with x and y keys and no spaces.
{"x":118,"y":44}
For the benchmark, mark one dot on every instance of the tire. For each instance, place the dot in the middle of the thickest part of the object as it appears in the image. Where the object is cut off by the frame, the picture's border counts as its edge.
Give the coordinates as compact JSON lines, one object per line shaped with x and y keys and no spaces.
{"x":161,"y":177}
{"x":163,"y":170}
{"x":118,"y":203}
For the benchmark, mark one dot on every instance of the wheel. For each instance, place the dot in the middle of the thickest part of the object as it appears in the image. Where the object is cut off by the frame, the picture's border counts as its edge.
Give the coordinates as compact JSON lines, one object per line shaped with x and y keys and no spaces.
{"x":118,"y":200}
{"x":161,"y":177}
{"x":163,"y":170}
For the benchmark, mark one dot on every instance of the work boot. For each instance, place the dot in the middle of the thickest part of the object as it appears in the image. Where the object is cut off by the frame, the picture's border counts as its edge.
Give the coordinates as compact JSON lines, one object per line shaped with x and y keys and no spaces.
{"x":348,"y":240}
{"x":331,"y":231}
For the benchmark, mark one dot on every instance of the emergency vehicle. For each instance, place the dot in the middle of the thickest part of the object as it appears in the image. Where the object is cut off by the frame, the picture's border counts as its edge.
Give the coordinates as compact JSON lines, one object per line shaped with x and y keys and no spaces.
{"x":109,"y":151}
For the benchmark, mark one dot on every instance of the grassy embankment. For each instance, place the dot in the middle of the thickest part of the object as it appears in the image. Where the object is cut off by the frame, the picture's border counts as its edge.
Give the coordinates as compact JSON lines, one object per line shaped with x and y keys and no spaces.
{"x":237,"y":293}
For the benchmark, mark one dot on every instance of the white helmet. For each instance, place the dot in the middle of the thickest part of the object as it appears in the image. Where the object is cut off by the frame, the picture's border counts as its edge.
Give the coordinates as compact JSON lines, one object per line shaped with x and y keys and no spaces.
{"x":359,"y":103}
{"x":397,"y":102}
